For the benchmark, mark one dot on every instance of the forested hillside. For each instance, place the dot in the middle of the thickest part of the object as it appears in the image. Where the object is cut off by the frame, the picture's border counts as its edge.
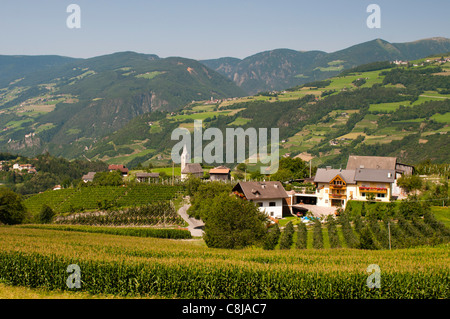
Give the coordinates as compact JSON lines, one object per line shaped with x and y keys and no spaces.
{"x":374,"y":109}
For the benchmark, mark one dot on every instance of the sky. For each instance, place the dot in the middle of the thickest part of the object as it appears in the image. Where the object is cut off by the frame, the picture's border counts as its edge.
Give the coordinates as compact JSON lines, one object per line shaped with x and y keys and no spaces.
{"x":207,"y":29}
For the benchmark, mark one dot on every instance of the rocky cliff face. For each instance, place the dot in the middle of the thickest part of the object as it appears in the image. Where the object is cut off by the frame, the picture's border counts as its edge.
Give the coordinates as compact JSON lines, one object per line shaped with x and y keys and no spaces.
{"x":29,"y":141}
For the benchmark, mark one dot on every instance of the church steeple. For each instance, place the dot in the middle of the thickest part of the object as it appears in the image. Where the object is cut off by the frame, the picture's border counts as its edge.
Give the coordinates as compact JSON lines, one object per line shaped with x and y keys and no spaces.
{"x":184,"y":158}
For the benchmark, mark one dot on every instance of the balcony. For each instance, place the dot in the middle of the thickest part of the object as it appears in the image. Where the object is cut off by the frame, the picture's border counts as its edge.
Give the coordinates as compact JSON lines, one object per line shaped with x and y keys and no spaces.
{"x":338,"y":196}
{"x":373,"y":189}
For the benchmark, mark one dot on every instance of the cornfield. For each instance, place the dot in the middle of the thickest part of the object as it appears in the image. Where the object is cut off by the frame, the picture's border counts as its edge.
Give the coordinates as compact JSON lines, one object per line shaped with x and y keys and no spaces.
{"x":133,"y":266}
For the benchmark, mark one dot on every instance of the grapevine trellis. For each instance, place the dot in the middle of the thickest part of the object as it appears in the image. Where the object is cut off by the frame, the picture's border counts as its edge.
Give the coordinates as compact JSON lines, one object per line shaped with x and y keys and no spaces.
{"x":101,"y":197}
{"x":157,"y":213}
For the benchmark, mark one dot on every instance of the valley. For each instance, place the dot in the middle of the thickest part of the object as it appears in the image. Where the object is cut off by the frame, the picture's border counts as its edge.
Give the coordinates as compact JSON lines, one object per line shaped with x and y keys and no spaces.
{"x":121,"y":108}
{"x":346,"y":118}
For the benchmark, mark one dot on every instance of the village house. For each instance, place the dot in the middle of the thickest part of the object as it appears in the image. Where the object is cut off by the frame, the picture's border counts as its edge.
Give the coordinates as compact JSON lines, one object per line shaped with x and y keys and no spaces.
{"x":364,"y":178}
{"x":189,"y":169}
{"x":335,"y":187}
{"x":147,"y":177}
{"x":220,"y":173}
{"x":270,"y":197}
{"x":28,"y":167}
{"x":120,"y":168}
{"x":89,"y":177}
{"x":386,"y":163}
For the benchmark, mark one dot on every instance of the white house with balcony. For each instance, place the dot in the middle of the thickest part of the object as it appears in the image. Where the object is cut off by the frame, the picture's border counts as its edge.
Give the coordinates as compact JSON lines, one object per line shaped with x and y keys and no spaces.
{"x":335,"y":187}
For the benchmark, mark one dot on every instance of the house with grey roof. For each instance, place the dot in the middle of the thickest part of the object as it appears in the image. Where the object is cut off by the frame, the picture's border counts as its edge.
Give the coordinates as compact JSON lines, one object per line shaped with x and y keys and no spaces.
{"x":147,"y":177}
{"x":270,"y":196}
{"x":335,"y":187}
{"x":382,"y":162}
{"x":191,"y":169}
{"x":89,"y":177}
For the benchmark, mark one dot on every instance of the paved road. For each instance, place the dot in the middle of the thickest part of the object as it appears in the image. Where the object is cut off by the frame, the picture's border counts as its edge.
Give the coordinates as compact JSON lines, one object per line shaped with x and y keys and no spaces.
{"x":195,"y":225}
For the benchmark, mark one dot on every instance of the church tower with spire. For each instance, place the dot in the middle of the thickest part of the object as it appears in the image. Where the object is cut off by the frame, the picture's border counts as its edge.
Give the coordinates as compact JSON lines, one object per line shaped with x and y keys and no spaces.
{"x":184,"y":158}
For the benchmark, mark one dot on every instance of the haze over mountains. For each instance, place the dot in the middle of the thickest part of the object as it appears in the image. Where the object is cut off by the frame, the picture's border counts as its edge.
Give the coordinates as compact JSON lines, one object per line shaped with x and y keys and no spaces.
{"x":65,"y":105}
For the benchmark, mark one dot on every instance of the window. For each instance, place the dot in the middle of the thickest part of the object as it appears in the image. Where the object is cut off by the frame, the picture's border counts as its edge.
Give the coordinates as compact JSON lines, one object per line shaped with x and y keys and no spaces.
{"x":272,"y":204}
{"x":363,"y":194}
{"x":381,"y":195}
{"x":259,"y":204}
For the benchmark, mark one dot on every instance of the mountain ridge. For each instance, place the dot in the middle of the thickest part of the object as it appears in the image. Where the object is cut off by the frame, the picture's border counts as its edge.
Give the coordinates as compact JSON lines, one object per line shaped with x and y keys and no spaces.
{"x":69,"y":107}
{"x":252,"y":73}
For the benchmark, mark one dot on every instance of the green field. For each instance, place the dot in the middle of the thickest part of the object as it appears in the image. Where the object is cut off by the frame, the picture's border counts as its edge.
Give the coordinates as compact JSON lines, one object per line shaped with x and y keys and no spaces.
{"x":128,"y":262}
{"x":442,"y":118}
{"x":149,"y":75}
{"x":163,"y":268}
{"x":442,"y":214}
{"x":168,"y":170}
{"x":199,"y":116}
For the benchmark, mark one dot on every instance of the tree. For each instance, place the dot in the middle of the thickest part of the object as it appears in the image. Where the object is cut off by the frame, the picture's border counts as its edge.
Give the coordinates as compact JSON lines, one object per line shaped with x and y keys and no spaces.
{"x":272,"y":237}
{"x":410,"y":183}
{"x":46,"y":214}
{"x":108,"y":178}
{"x":192,"y":184}
{"x":302,"y":236}
{"x":296,"y":166}
{"x":282,"y":175}
{"x":365,"y":239}
{"x":234,"y":223}
{"x":12,"y":209}
{"x":317,"y":234}
{"x":203,"y":197}
{"x":332,"y":232}
{"x":241,"y":167}
{"x":411,"y":207}
{"x":287,"y":236}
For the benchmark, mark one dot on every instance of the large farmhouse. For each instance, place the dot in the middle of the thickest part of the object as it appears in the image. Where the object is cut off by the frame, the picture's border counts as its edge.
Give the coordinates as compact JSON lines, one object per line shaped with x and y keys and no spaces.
{"x":380,"y":163}
{"x":336,"y":186}
{"x":270,"y":197}
{"x":365,"y":178}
